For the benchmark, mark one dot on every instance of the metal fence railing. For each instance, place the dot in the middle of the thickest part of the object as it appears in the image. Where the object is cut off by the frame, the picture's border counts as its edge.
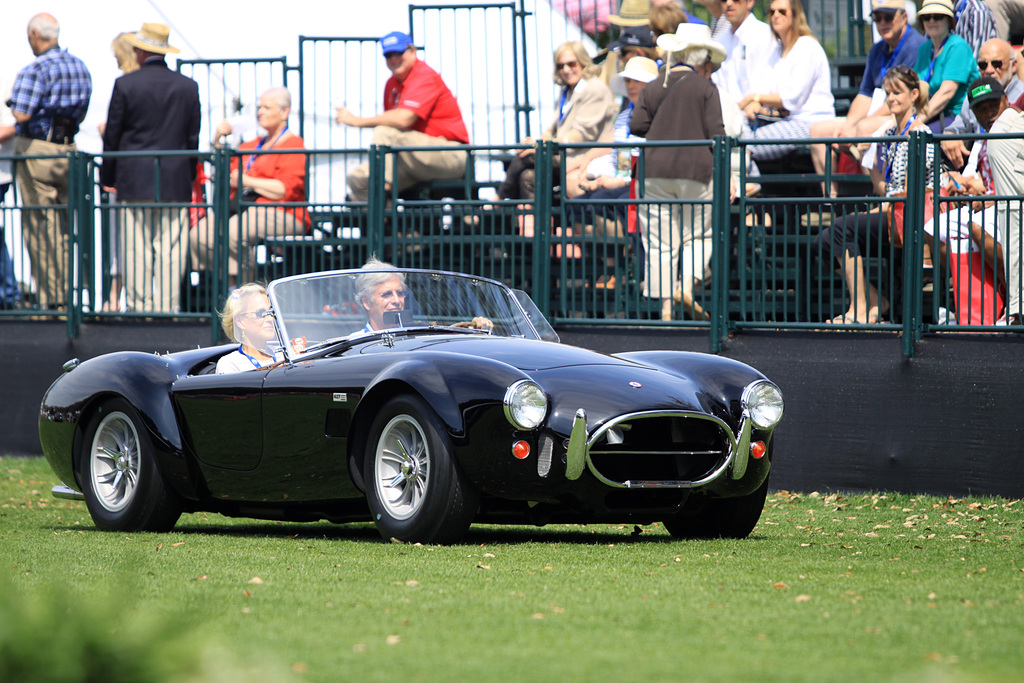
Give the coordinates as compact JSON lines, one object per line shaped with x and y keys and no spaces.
{"x":770,"y":261}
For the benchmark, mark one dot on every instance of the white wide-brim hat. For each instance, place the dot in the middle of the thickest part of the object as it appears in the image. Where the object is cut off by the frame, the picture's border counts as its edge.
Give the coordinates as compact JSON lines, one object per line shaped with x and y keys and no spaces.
{"x":639,"y":69}
{"x":688,"y":36}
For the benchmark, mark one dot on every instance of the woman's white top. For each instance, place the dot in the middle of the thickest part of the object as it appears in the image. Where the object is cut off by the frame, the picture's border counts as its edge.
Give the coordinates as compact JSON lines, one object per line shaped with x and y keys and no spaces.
{"x":802,"y":79}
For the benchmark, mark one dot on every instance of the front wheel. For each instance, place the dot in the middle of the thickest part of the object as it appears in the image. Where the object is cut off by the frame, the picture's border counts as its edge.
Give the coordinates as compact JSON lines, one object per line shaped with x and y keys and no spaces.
{"x":123,"y":489}
{"x":722,"y":517}
{"x":415,"y":489}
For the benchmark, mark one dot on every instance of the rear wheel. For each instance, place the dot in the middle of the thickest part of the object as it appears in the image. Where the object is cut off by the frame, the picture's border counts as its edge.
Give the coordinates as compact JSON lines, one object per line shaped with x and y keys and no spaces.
{"x":721,"y":517}
{"x":117,"y":469}
{"x":415,"y":488}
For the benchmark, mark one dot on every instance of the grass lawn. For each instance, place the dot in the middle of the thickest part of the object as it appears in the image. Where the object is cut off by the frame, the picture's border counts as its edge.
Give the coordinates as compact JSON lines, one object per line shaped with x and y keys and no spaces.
{"x":828,"y":588}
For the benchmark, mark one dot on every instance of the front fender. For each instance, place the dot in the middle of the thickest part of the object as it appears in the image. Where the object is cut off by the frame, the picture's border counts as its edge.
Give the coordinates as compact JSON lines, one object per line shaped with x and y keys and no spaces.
{"x":480,"y":383}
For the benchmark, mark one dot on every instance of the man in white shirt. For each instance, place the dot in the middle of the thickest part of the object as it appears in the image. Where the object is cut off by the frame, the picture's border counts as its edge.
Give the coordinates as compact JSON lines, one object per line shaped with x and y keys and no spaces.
{"x":748,"y":45}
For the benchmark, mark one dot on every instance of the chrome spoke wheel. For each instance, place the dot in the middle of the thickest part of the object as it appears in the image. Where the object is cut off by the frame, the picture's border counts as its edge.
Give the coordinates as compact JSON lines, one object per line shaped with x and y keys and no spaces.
{"x":114,"y":461}
{"x":402,"y":467}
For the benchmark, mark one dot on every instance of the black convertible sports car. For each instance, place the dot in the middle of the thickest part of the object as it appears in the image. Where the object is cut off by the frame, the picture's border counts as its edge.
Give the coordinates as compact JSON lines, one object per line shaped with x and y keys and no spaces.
{"x":453,"y":405}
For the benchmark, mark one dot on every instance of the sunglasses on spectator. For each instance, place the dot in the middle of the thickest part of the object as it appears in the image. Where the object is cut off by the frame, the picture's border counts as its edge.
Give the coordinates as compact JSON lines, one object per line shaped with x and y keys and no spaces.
{"x":781,"y":12}
{"x":883,"y":17}
{"x":933,"y":17}
{"x":258,"y":314}
{"x":996,"y":64}
{"x":567,"y":65}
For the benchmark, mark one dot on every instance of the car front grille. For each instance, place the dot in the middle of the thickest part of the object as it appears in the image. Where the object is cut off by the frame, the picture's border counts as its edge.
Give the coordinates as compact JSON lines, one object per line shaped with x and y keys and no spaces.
{"x":663,"y":449}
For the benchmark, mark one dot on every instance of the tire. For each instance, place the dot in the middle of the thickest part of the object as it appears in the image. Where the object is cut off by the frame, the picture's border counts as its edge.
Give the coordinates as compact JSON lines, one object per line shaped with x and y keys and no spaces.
{"x":721,"y":517}
{"x":116,"y":467}
{"x":415,"y":489}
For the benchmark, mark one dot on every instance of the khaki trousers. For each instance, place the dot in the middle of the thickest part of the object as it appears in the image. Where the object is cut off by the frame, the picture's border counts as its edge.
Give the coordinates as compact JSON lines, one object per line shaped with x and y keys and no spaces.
{"x":44,"y":187}
{"x":413,"y":167}
{"x":154,"y":257}
{"x":666,"y":229}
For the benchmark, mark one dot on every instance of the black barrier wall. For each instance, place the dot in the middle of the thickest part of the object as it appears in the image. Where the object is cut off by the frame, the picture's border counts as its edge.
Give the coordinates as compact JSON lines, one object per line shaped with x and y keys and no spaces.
{"x":859,"y":416}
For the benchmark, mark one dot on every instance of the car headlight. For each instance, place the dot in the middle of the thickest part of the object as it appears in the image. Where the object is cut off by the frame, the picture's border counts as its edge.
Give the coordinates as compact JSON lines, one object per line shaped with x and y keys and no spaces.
{"x":525,"y":404}
{"x":762,"y":401}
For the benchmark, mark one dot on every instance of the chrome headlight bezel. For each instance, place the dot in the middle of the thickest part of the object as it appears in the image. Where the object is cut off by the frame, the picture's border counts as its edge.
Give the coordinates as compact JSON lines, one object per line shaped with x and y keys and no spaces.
{"x":526,"y":404}
{"x":762,"y":402}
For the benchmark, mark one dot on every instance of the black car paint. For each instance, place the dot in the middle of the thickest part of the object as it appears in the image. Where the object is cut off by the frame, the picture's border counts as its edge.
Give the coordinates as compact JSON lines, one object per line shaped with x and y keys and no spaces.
{"x":276,"y":437}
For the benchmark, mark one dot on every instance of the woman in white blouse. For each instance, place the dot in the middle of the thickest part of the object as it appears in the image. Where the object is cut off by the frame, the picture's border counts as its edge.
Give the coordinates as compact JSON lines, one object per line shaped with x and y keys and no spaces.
{"x":797,"y":84}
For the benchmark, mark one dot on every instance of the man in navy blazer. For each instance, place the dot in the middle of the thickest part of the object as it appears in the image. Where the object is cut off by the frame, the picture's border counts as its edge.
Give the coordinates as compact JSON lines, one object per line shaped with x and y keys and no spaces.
{"x":153,"y":108}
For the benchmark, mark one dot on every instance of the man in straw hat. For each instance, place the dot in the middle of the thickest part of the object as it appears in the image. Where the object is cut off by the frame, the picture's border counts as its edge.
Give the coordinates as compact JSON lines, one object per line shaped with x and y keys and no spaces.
{"x":153,"y":108}
{"x":49,"y":99}
{"x":684,"y":105}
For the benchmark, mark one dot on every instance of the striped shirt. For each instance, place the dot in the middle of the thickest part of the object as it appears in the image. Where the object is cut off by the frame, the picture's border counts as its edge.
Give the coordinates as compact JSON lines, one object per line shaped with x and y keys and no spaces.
{"x":55,"y":84}
{"x":974,"y":23}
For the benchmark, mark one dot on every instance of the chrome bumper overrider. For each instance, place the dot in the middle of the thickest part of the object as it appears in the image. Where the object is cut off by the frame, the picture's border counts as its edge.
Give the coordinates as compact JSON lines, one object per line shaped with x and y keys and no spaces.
{"x":66,"y":492}
{"x":580,"y":445}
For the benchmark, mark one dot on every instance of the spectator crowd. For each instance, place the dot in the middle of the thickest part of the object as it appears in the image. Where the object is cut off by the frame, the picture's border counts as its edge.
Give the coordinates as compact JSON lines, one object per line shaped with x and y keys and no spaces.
{"x":668,"y":76}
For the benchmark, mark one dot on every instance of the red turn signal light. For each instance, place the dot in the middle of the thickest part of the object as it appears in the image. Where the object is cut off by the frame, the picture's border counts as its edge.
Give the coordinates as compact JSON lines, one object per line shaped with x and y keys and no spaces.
{"x":757,"y":450}
{"x":521,"y":450}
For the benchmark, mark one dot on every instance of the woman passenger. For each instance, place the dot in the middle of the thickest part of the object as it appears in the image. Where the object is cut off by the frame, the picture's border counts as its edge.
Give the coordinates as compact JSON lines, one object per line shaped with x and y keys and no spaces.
{"x":248,"y":320}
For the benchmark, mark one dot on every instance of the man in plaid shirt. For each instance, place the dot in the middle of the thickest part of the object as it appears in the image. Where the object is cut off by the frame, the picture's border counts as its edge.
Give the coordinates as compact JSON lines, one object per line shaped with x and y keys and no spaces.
{"x":49,"y":99}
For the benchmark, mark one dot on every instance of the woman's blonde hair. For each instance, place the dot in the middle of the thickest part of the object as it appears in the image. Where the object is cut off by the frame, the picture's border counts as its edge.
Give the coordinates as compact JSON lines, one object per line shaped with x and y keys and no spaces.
{"x":124,"y":53}
{"x":235,"y":304}
{"x":908,"y":77}
{"x":580,"y":53}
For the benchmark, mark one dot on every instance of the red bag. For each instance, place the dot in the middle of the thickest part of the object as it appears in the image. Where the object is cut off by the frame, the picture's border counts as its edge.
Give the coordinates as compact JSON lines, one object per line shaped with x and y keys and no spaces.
{"x":979,"y":300}
{"x":896,"y":222}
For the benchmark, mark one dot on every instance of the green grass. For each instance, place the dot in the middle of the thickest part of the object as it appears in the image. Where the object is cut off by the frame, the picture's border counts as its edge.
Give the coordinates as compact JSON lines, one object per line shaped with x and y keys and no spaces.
{"x":827,"y":588}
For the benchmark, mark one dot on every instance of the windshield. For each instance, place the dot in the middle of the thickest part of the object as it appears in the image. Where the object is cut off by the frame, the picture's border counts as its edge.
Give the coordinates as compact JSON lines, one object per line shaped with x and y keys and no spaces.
{"x":312,"y":309}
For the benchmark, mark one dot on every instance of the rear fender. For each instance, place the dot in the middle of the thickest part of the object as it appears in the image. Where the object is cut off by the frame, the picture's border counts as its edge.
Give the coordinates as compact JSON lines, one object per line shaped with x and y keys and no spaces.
{"x":144,"y":380}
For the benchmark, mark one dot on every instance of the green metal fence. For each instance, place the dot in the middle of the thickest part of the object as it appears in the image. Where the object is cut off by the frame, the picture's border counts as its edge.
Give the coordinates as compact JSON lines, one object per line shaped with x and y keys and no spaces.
{"x":771,"y":265}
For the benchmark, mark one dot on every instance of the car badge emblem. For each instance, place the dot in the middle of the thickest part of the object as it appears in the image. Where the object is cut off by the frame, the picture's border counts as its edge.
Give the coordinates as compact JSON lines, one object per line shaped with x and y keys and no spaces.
{"x":635,"y":385}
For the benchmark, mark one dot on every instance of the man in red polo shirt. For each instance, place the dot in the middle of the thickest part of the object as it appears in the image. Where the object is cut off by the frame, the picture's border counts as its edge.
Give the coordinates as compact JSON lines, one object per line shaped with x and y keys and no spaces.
{"x":419,"y":111}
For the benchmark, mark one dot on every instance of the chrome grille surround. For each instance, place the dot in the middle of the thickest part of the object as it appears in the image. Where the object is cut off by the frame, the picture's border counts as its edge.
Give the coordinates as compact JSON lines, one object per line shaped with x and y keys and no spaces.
{"x":582,"y":449}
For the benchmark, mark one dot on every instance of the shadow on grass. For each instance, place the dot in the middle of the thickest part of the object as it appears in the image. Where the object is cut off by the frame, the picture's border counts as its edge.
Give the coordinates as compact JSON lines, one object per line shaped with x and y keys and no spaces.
{"x":482,"y":534}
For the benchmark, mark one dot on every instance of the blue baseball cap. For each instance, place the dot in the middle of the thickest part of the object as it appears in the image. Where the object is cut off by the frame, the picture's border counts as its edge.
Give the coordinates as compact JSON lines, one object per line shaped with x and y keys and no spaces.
{"x":396,"y":41}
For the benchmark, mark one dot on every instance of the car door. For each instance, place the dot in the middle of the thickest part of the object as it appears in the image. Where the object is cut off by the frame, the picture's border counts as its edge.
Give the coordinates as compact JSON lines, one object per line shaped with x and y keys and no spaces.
{"x":222,"y":418}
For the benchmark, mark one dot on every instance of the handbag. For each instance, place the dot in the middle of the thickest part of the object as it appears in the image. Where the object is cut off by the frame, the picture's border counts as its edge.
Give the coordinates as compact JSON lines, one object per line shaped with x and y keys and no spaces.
{"x":898,"y":208}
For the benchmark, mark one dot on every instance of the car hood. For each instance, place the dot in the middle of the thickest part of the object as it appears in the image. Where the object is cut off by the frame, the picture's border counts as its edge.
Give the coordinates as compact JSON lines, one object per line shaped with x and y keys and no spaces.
{"x":525,"y":354}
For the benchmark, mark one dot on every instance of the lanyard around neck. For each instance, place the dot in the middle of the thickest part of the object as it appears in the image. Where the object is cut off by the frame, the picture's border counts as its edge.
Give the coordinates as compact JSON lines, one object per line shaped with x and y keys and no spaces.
{"x":259,"y":146}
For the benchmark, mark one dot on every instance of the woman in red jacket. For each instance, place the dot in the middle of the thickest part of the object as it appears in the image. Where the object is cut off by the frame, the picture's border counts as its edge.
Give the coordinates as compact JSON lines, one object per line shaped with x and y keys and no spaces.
{"x":265,"y":180}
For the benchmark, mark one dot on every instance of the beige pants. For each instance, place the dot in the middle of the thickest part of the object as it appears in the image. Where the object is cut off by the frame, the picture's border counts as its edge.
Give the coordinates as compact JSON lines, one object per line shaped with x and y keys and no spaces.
{"x":245,"y":230}
{"x":413,"y":167}
{"x":154,"y":257}
{"x":666,"y":229}
{"x":44,"y":186}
